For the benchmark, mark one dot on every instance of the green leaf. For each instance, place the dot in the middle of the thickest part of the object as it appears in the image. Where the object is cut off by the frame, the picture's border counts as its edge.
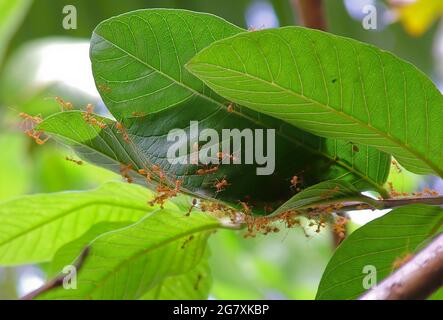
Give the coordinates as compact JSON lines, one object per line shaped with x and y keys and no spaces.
{"x":107,"y":148}
{"x":136,"y":54}
{"x":333,"y":87}
{"x":193,"y":285}
{"x":68,"y":253}
{"x":324,"y":193}
{"x":378,"y":243}
{"x":33,"y":227}
{"x":11,"y":16}
{"x":125,"y":264}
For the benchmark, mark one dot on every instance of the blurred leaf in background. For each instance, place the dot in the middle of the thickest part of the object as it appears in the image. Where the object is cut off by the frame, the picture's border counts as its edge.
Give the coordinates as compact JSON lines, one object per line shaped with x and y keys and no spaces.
{"x":285,"y":265}
{"x":418,"y":16}
{"x":12,"y":13}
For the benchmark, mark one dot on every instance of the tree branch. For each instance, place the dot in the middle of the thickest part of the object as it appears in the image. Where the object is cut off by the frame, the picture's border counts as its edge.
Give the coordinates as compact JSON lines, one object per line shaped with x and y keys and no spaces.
{"x":310,"y":13}
{"x":417,"y":279}
{"x":393,"y":203}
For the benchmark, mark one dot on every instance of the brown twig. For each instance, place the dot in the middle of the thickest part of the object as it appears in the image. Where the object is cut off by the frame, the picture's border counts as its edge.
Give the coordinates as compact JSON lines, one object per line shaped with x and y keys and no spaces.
{"x":57,"y":281}
{"x":393,"y":203}
{"x":310,"y":13}
{"x":417,"y":279}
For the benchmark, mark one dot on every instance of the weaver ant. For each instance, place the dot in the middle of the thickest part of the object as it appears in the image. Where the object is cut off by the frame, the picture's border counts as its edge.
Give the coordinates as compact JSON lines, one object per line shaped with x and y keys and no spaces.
{"x":89,"y":118}
{"x":122,"y":131}
{"x":246,"y":208}
{"x":65,"y":105}
{"x":124,"y":171}
{"x":166,"y":193}
{"x":194,"y":204}
{"x":400,"y":261}
{"x":295,"y":181}
{"x":36,"y":135}
{"x":202,"y":172}
{"x":104,"y":88}
{"x":33,"y":119}
{"x":79,"y":162}
{"x":339,"y":227}
{"x":220,"y":185}
{"x":145,"y":173}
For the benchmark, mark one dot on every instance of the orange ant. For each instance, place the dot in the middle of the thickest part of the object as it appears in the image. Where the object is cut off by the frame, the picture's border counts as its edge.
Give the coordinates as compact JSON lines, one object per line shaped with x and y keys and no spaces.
{"x":400,"y":261}
{"x":165,"y":193}
{"x":33,"y":119}
{"x":246,"y":207}
{"x":396,"y":165}
{"x":89,"y":118}
{"x":159,"y":171}
{"x":122,"y":131}
{"x":36,"y":135}
{"x":222,"y":155}
{"x":79,"y":162}
{"x":430,"y":192}
{"x":65,"y":105}
{"x":124,"y":171}
{"x":104,"y":88}
{"x":220,"y":185}
{"x":231,"y":107}
{"x":145,"y":173}
{"x":202,"y":172}
{"x":392,"y":191}
{"x":339,"y":227}
{"x":194,"y":204}
{"x":330,"y":193}
{"x":295,"y":181}
{"x":138,"y":114}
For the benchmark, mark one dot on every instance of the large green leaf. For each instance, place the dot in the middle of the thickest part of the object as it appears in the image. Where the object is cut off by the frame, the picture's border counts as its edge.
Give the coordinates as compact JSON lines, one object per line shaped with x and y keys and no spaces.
{"x":331,"y":86}
{"x":33,"y":227}
{"x":377,"y":244}
{"x":106,"y":147}
{"x":137,"y":54}
{"x":193,"y":285}
{"x":126,"y":263}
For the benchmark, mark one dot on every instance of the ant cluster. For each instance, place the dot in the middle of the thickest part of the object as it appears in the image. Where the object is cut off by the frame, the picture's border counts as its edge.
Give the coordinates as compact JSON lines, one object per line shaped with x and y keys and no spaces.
{"x":29,"y":123}
{"x":90,"y":119}
{"x":164,"y":193}
{"x":339,"y":227}
{"x":426,"y":192}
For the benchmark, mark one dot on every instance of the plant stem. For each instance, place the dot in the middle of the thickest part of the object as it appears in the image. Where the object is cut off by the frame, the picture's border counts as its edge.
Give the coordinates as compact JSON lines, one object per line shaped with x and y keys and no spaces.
{"x":417,"y":279}
{"x":310,"y":13}
{"x":393,"y":203}
{"x":57,"y":281}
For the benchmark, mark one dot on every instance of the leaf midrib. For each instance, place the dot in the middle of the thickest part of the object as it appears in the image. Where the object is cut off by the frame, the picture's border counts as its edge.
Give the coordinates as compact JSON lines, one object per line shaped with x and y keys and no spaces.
{"x":344,"y":165}
{"x":340,"y":113}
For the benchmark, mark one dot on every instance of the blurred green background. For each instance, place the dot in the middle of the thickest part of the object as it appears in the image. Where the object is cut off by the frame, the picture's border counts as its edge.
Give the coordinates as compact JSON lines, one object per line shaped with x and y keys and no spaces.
{"x":39,"y":60}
